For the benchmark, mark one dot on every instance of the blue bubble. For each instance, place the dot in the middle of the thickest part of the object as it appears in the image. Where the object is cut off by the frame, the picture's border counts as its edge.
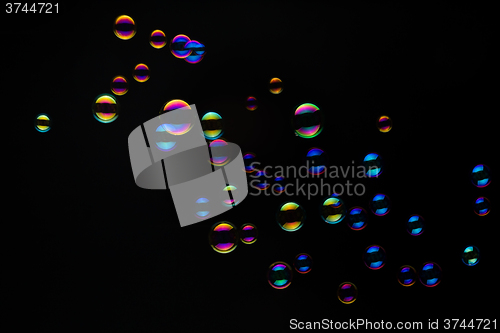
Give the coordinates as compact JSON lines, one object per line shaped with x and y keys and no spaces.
{"x":357,"y":218}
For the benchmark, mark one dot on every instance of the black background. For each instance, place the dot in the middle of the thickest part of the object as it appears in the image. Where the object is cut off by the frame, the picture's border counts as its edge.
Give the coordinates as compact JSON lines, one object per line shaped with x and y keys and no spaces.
{"x":91,"y":249}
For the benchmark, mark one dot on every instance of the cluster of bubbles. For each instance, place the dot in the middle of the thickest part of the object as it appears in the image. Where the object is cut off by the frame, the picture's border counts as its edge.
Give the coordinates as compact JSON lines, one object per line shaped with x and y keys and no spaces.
{"x":481,"y":177}
{"x":280,"y":274}
{"x":224,"y":236}
{"x":182,"y":47}
{"x":307,"y":122}
{"x":275,"y":87}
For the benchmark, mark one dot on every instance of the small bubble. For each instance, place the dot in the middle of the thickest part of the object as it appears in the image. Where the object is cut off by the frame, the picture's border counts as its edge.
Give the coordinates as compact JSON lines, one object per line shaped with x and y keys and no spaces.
{"x":374,"y":257}
{"x":251,"y":103}
{"x":407,"y":276}
{"x":333,"y":210}
{"x":250,"y":161}
{"x":223,"y":237}
{"x":430,"y":274}
{"x":279,"y":275}
{"x":380,"y":204}
{"x":415,"y":225}
{"x":230,"y":202}
{"x":177,"y":46}
{"x":275,"y":86}
{"x":218,"y":148}
{"x":481,"y":176}
{"x":347,"y":292}
{"x":105,"y":108}
{"x":202,"y":208}
{"x":316,"y":161}
{"x":262,"y":179}
{"x":307,"y":121}
{"x":482,"y":206}
{"x":290,"y":216}
{"x":358,"y":217}
{"x":279,"y":185}
{"x":303,"y":263}
{"x":248,"y":233}
{"x":141,"y":73}
{"x":211,"y":124}
{"x":119,"y":85}
{"x":197,"y":51}
{"x":470,"y":255}
{"x":43,"y":123}
{"x":372,"y":163}
{"x":163,"y":140}
{"x":157,"y":39}
{"x":124,"y":27}
{"x":384,"y":124}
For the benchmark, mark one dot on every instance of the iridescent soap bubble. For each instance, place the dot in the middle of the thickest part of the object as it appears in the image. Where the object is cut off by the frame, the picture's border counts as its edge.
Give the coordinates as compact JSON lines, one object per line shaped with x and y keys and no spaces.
{"x":415,"y":225}
{"x":372,"y":164}
{"x":202,"y":208}
{"x":163,"y":141}
{"x":230,"y":189}
{"x":105,"y":108}
{"x":357,"y":218}
{"x":279,"y":185}
{"x":482,"y":206}
{"x":333,"y":209}
{"x":119,"y":85}
{"x":158,"y":39}
{"x":262,"y":179}
{"x":347,"y":292}
{"x":470,"y":255}
{"x":211,"y":124}
{"x":430,"y":274}
{"x":290,"y":216}
{"x":251,"y":103}
{"x":384,"y":124}
{"x":307,"y":121}
{"x":481,"y":175}
{"x":279,"y":275}
{"x":316,"y":161}
{"x":374,"y":257}
{"x":380,"y":204}
{"x":219,"y":152}
{"x":248,"y":233}
{"x":124,"y":27}
{"x":249,"y":159}
{"x":303,"y":263}
{"x":173,"y":105}
{"x":177,"y":46}
{"x":275,"y":86}
{"x":43,"y":123}
{"x":223,"y":237}
{"x":197,"y":51}
{"x":141,"y":73}
{"x":407,"y":275}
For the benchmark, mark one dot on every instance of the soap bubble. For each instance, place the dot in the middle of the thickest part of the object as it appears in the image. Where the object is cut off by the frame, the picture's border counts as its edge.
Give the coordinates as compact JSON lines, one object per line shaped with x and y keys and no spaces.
{"x":481,"y":175}
{"x":158,"y":39}
{"x":279,"y":275}
{"x":223,"y":237}
{"x":470,"y":255}
{"x":347,"y":292}
{"x":42,"y":123}
{"x":290,"y":216}
{"x":384,"y":124}
{"x":124,"y":27}
{"x":430,"y":274}
{"x":407,"y":275}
